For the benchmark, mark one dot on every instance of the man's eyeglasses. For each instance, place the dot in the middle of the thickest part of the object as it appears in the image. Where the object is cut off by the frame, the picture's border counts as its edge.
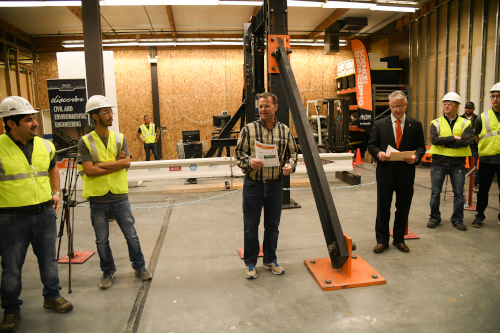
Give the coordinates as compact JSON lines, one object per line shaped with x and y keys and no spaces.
{"x":495,"y":96}
{"x":397,"y":106}
{"x":266,"y":106}
{"x":449,"y":104}
{"x":106,"y":112}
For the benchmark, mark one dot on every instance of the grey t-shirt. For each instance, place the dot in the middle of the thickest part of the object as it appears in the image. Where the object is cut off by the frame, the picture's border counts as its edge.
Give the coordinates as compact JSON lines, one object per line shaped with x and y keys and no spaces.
{"x":84,"y":156}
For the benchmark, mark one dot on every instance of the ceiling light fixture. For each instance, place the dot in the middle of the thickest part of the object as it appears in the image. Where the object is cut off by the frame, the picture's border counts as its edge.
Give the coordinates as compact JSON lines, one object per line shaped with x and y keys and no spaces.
{"x":393,"y":8}
{"x":347,"y":4}
{"x":156,"y":43}
{"x":298,"y":3}
{"x":241,"y":3}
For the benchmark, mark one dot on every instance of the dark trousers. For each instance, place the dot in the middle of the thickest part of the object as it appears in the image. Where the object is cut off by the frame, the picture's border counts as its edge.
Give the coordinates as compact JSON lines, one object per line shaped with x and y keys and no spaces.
{"x":17,"y":232}
{"x":473,"y":149}
{"x":255,"y":196}
{"x":148,"y":147}
{"x":487,"y":172}
{"x":404,"y":195}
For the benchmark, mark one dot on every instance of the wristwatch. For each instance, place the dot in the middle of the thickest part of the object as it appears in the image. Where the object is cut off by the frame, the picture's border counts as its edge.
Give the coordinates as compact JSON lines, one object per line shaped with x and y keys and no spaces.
{"x":53,"y":193}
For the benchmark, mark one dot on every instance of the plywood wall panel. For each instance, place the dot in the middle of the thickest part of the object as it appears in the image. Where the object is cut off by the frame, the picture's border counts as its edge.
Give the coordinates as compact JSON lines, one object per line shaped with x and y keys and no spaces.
{"x":475,"y":77}
{"x":234,"y":70}
{"x":452,"y":48}
{"x":464,"y":49}
{"x":489,"y":79}
{"x":433,"y":54}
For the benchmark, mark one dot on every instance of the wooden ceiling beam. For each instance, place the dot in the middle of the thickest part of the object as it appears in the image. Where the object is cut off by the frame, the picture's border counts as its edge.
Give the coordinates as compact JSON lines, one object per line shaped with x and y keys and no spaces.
{"x":77,"y":11}
{"x":11,"y":29}
{"x":336,"y":15}
{"x":171,"y":21}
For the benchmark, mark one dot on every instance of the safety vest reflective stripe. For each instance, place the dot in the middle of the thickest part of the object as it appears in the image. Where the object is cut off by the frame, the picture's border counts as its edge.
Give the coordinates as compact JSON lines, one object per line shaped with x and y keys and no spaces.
{"x":438,"y":126}
{"x":4,"y":178}
{"x":487,"y":126}
{"x":93,"y":149}
{"x":145,"y":130}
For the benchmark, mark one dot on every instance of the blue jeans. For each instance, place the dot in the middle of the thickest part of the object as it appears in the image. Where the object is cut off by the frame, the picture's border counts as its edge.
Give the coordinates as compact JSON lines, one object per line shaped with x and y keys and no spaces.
{"x":457,"y":179}
{"x":122,"y":212}
{"x":255,"y":196}
{"x":148,"y":147}
{"x":16,"y":234}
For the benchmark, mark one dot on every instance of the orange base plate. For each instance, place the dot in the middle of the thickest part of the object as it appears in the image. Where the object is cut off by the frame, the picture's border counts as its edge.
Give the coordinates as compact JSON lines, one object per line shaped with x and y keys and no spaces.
{"x":410,"y":235}
{"x":361,"y":274}
{"x":79,"y":257}
{"x":242,"y":252}
{"x":471,"y":208}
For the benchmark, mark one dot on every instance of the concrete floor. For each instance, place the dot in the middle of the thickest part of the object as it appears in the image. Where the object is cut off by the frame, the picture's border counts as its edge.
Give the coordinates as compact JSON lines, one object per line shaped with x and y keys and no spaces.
{"x":447,"y":283}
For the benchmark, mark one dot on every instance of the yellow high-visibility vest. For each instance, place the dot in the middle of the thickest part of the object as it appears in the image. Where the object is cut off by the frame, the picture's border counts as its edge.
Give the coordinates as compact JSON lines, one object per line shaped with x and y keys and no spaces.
{"x":148,"y":135}
{"x":22,"y":184}
{"x":444,"y":130}
{"x":489,"y":140}
{"x":116,"y":182}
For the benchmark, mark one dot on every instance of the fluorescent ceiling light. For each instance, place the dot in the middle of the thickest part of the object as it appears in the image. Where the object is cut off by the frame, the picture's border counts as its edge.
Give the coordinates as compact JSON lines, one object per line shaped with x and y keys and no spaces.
{"x":241,"y":3}
{"x":193,"y":43}
{"x":192,"y":2}
{"x":296,"y":3}
{"x":222,"y":42}
{"x":72,"y":45}
{"x":121,"y":44}
{"x":39,"y":3}
{"x":347,"y":4}
{"x":393,"y":8}
{"x":157,"y":44}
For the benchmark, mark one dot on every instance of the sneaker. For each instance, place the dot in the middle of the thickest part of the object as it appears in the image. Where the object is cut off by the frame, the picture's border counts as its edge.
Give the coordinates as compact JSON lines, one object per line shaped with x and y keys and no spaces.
{"x":432,"y":224}
{"x":477,"y":223}
{"x":106,"y":280}
{"x":59,"y":304}
{"x":460,"y":226}
{"x":9,"y":322}
{"x":250,"y":272}
{"x":143,"y":273}
{"x":275,"y":268}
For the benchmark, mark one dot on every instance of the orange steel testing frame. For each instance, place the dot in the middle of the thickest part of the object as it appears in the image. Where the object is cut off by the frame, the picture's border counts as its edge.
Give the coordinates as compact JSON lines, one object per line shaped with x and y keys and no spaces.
{"x":272,"y":41}
{"x":408,"y":234}
{"x":355,"y":272}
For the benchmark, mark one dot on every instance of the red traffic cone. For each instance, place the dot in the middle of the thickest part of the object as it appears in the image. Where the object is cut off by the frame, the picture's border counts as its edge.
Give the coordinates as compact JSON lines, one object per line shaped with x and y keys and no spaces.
{"x":358,"y":158}
{"x":467,"y":163}
{"x":350,"y":152}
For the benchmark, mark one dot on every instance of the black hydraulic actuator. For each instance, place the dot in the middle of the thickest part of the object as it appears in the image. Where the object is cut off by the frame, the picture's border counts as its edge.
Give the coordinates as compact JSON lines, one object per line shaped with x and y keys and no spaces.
{"x":332,"y":229}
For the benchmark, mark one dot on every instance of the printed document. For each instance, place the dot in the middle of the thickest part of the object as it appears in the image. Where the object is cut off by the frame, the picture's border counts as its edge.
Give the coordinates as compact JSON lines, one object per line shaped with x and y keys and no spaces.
{"x":267,"y":154}
{"x":396,"y":155}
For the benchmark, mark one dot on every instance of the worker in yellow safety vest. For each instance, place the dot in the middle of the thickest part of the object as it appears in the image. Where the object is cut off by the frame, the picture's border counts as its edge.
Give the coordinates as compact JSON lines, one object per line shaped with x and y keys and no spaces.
{"x":103,"y":158}
{"x":148,"y":134}
{"x":450,"y":138}
{"x":487,"y":130}
{"x":29,"y":200}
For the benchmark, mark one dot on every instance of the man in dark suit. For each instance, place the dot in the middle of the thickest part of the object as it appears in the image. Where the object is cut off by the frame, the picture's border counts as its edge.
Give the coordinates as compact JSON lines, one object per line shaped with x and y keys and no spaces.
{"x":404,"y":134}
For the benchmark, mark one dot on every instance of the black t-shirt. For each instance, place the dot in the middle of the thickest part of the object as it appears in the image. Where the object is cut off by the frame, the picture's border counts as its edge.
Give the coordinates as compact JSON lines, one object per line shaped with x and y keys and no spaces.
{"x":478,"y":127}
{"x":139,"y":131}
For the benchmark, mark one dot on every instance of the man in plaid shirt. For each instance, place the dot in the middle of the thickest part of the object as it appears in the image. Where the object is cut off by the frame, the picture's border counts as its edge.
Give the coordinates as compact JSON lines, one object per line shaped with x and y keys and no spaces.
{"x":263,"y":186}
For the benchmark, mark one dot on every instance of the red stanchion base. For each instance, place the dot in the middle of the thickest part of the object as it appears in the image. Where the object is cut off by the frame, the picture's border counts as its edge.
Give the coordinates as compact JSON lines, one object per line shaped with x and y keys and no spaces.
{"x":242,"y":252}
{"x":473,"y":208}
{"x":409,"y":235}
{"x":79,"y":257}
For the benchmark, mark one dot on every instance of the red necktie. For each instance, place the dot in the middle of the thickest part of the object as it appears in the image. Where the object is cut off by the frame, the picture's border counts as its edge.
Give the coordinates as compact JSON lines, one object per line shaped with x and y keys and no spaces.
{"x":399,"y":133}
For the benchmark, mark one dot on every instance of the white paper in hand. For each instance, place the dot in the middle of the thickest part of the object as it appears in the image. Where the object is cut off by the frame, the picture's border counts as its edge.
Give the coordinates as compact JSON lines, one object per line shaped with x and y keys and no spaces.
{"x":391,"y":149}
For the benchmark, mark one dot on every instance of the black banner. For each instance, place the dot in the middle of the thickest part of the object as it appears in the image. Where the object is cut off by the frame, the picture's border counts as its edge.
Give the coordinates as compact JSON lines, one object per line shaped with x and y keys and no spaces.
{"x":67,"y":99}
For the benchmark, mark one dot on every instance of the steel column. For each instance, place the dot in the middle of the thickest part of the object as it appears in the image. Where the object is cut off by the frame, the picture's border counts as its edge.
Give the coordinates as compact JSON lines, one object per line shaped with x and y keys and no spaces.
{"x":332,"y":229}
{"x":277,"y":24}
{"x":156,"y":97}
{"x":92,"y":38}
{"x":436,"y":68}
{"x":410,"y":74}
{"x":446,"y":49}
{"x":419,"y":31}
{"x":427,"y":63}
{"x":469,"y":46}
{"x":483,"y":55}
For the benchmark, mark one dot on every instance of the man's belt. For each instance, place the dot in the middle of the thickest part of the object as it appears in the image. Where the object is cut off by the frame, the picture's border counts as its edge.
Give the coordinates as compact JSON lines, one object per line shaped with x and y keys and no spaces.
{"x":266,"y":180}
{"x":34,"y":210}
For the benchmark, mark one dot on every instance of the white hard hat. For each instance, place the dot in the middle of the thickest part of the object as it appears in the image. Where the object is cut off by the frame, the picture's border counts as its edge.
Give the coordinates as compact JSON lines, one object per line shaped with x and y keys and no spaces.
{"x":452,"y":96}
{"x":97,"y":102}
{"x":15,"y":105}
{"x":496,"y":87}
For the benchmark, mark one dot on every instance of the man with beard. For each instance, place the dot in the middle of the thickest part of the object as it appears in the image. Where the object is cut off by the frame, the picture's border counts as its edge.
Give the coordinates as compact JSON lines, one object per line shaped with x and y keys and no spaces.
{"x":29,"y":200}
{"x":104,"y":158}
{"x":470,"y":115}
{"x":486,"y":131}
